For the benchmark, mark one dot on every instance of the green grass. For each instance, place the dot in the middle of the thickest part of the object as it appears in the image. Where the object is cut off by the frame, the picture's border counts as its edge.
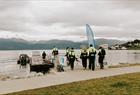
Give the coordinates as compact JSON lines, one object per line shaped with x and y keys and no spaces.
{"x":128,"y":84}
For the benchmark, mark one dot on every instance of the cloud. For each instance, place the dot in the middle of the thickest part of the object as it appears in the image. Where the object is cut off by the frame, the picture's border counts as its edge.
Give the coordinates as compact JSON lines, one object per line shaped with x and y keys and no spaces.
{"x":14,"y":16}
{"x":128,"y":4}
{"x":66,"y":19}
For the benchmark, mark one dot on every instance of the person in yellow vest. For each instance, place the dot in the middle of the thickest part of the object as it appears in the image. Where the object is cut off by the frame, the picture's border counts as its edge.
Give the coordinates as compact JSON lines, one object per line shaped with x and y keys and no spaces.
{"x":91,"y":56}
{"x":84,"y":56}
{"x":72,"y":58}
{"x":55,"y":51}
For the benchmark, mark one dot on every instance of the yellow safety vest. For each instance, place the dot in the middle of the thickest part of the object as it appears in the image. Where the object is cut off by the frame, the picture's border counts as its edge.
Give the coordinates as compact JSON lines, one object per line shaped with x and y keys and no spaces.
{"x":91,"y":50}
{"x":55,"y":49}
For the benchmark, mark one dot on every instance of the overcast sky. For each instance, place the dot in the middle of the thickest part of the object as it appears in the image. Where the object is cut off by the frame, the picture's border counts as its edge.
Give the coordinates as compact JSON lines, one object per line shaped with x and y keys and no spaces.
{"x":66,"y":19}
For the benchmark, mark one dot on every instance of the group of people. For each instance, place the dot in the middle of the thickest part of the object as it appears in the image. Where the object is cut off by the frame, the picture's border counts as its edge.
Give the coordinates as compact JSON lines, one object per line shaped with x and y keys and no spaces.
{"x":54,"y":53}
{"x":90,"y":54}
{"x":54,"y":59}
{"x":86,"y":54}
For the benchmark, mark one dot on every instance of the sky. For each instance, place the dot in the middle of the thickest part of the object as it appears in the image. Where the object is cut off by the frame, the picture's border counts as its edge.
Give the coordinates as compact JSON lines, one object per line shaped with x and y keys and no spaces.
{"x":66,"y":19}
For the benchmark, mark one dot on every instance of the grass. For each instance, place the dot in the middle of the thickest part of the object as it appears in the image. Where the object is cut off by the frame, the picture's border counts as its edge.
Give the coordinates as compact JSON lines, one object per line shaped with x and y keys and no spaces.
{"x":128,"y":84}
{"x":124,"y":65}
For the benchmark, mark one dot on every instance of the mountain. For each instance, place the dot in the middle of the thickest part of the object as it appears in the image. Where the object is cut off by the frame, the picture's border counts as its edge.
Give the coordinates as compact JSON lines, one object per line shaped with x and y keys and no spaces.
{"x":110,"y":42}
{"x":21,"y":44}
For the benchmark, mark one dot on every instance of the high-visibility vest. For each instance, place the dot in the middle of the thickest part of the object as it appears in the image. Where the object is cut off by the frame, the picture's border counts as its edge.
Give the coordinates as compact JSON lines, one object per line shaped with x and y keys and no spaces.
{"x":55,"y":51}
{"x":67,"y":51}
{"x":72,"y":55}
{"x":83,"y":53}
{"x":91,"y":51}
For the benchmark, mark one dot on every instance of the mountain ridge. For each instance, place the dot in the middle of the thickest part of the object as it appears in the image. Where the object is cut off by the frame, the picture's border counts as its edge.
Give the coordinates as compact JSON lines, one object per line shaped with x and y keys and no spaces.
{"x":21,"y":44}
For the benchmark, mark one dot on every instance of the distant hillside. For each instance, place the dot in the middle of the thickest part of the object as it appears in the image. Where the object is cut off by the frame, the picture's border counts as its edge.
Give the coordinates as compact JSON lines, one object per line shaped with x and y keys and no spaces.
{"x":21,"y":44}
{"x":134,"y":45}
{"x":110,"y":42}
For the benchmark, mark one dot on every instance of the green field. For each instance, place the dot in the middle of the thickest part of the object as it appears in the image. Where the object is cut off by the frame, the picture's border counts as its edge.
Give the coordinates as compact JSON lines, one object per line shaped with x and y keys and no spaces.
{"x":128,"y":84}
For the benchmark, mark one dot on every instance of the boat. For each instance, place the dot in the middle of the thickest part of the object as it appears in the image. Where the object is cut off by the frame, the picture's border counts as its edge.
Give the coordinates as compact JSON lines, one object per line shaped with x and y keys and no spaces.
{"x":40,"y":65}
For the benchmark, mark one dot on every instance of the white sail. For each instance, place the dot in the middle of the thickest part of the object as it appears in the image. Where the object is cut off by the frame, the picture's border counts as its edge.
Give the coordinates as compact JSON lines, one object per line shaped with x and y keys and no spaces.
{"x":90,"y":35}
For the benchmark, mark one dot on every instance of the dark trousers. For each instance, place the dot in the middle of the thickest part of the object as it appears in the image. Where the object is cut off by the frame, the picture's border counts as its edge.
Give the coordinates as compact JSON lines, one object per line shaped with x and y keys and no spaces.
{"x":92,"y":63}
{"x":43,"y":57}
{"x":84,"y":62}
{"x":100,"y":60}
{"x":71,"y":63}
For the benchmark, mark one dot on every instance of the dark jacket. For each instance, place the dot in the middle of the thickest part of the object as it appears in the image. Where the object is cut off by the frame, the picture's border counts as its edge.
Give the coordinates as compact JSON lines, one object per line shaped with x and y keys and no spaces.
{"x":102,"y":52}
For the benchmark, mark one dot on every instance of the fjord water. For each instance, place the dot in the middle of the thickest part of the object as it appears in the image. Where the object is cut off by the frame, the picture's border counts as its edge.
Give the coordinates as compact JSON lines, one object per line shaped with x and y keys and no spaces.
{"x":8,"y":59}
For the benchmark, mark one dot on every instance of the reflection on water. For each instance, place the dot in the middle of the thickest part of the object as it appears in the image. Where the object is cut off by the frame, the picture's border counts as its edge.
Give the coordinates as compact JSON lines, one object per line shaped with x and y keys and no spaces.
{"x":8,"y":59}
{"x":123,"y":56}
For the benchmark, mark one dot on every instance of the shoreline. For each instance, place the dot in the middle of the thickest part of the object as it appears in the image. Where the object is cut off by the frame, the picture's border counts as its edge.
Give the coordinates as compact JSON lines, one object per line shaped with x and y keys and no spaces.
{"x":27,"y":74}
{"x":4,"y":77}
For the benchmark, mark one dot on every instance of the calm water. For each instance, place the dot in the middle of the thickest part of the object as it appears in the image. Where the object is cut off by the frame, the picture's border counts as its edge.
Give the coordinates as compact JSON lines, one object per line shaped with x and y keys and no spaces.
{"x":8,"y":59}
{"x":115,"y":57}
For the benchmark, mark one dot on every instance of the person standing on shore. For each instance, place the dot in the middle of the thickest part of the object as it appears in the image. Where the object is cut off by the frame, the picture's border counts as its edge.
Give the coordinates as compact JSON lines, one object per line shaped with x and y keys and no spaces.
{"x":72,"y":58}
{"x":55,"y":51}
{"x":83,"y":56}
{"x":43,"y":55}
{"x":55,"y":57}
{"x":91,"y":56}
{"x":101,"y":57}
{"x":67,"y":55}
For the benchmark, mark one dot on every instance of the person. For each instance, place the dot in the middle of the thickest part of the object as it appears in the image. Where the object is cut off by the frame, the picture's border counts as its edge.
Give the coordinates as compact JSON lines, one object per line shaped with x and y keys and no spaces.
{"x":43,"y":55}
{"x":91,"y":56}
{"x":58,"y":66}
{"x":55,"y":57}
{"x":101,"y":57}
{"x":67,"y":55}
{"x":23,"y":60}
{"x":83,"y":56}
{"x":55,"y":51}
{"x":72,"y":58}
